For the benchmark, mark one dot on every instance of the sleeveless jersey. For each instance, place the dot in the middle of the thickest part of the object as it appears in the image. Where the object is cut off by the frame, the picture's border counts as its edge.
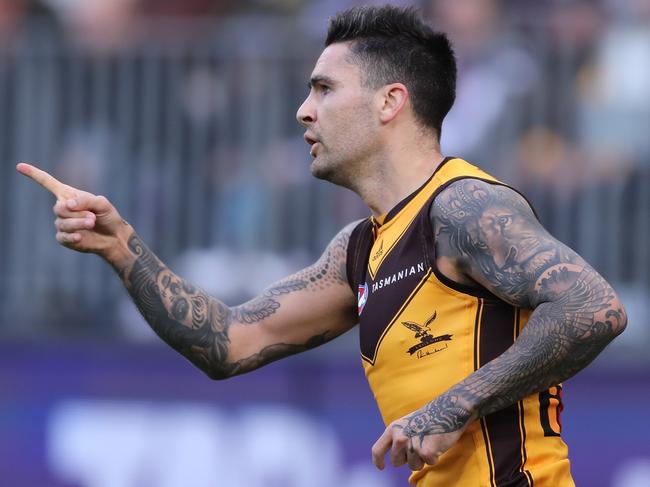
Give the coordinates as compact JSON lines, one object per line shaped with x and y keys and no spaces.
{"x":421,"y":333}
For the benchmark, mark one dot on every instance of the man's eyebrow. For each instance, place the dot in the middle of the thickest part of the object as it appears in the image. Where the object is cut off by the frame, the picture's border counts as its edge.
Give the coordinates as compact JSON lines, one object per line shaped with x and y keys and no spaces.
{"x":320,"y":80}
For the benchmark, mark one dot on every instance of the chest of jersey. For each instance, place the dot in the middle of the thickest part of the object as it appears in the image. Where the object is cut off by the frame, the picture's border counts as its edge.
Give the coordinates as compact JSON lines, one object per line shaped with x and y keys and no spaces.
{"x":413,"y":331}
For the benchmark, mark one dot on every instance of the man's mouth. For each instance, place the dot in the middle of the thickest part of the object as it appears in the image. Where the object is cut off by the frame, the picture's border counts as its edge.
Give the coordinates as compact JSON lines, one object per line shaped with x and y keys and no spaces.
{"x":309,"y":138}
{"x":313,"y":142}
{"x":314,"y":147}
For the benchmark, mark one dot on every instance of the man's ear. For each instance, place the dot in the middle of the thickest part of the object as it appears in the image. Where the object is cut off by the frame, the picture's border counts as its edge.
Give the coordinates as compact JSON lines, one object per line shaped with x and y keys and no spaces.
{"x":392,"y":99}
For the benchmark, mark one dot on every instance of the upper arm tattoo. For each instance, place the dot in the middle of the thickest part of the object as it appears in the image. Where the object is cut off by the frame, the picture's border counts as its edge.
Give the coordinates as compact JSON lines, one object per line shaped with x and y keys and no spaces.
{"x":328,"y":271}
{"x":494,"y":237}
{"x":197,"y":325}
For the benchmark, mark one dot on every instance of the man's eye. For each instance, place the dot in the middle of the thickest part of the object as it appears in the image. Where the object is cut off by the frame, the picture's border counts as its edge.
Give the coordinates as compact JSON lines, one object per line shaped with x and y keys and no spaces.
{"x":504,"y":220}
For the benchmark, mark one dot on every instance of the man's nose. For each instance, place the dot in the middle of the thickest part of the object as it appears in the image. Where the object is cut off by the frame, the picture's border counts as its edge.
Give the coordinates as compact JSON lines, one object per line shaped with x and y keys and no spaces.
{"x":306,"y":114}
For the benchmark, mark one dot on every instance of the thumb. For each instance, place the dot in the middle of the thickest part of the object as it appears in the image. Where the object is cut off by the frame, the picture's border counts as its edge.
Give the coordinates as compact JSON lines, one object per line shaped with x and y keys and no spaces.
{"x":89,"y":202}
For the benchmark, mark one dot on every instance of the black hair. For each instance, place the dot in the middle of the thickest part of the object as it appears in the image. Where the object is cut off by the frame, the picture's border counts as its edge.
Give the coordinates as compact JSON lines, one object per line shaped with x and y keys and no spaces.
{"x":394,"y":45}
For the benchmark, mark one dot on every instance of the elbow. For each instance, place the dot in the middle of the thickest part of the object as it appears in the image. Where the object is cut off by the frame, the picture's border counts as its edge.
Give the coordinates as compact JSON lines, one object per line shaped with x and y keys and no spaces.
{"x":217,"y":373}
{"x":616,"y":318}
{"x":215,"y":370}
{"x":225,"y":370}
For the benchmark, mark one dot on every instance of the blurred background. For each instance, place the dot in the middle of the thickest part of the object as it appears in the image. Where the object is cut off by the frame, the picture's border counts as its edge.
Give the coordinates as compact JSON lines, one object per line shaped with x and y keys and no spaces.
{"x":182,"y":113}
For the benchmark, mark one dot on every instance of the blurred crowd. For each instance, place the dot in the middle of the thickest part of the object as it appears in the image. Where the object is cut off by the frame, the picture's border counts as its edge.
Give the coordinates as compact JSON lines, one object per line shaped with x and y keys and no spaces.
{"x":591,"y":59}
{"x":553,"y":97}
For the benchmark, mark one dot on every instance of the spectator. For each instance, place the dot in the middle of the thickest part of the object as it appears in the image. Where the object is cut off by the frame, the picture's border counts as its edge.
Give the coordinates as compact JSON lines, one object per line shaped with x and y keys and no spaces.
{"x":493,"y":74}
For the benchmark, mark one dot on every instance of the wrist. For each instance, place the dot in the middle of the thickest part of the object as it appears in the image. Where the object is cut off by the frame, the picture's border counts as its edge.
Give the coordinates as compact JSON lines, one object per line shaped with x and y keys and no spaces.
{"x":118,"y":254}
{"x":466,"y":404}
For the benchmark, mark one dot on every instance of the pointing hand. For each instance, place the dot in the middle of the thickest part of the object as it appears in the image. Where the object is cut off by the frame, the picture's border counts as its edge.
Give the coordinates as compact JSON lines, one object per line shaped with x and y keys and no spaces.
{"x":85,"y":222}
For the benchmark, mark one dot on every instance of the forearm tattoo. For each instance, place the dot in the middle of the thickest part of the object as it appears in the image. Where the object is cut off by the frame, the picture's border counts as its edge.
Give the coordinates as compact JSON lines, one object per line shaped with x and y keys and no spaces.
{"x":490,"y":232}
{"x":197,"y":325}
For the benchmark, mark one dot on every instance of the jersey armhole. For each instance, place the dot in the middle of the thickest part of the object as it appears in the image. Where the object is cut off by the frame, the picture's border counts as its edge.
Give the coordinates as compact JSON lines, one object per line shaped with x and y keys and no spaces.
{"x":353,"y":255}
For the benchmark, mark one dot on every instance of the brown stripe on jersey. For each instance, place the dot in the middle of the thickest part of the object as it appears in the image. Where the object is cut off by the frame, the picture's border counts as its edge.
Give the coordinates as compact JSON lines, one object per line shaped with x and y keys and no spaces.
{"x":477,"y":332}
{"x":496,"y":335}
{"x":531,"y":482}
{"x":488,"y":451}
{"x":520,"y":406}
{"x":524,"y":455}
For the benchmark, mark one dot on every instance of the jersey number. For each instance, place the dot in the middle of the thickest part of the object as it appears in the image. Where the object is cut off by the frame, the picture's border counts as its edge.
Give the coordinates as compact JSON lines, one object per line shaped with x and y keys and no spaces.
{"x":550,"y":407}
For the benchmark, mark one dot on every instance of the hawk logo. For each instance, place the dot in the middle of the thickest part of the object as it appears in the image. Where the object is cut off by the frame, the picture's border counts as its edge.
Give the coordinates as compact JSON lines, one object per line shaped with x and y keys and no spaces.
{"x":423,"y":333}
{"x":379,"y":252}
{"x":362,"y":297}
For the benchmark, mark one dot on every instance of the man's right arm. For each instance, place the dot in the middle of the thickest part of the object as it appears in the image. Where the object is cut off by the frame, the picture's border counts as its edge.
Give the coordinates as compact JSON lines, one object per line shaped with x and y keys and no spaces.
{"x":295,"y":314}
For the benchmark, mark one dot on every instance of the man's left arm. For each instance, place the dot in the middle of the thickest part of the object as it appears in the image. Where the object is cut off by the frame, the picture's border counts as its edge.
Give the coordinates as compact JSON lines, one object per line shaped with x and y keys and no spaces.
{"x":488,"y":235}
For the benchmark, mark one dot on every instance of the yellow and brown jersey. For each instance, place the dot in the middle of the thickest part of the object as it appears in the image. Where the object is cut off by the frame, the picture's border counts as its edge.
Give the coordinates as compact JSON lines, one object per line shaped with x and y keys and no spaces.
{"x":421,"y":333}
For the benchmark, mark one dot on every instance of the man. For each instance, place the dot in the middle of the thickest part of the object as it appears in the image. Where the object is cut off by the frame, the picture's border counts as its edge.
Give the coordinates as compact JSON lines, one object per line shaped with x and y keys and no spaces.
{"x":470,"y":313}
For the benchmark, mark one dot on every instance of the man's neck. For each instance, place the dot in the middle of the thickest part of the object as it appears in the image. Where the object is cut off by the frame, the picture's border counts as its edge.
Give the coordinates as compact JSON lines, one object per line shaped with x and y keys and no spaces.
{"x":397,"y":178}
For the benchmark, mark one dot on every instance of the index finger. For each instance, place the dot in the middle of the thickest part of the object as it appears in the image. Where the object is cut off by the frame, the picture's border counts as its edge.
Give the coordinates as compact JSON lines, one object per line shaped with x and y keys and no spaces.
{"x":49,"y":182}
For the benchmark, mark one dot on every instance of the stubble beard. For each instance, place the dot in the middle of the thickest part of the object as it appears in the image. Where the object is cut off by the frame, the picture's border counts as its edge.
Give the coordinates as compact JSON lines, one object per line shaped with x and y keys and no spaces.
{"x":339,"y":170}
{"x":322,"y":167}
{"x":346,"y":166}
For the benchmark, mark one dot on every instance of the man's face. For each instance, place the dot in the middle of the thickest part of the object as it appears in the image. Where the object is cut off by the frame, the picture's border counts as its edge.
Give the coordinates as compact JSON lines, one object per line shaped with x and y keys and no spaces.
{"x":338,"y":116}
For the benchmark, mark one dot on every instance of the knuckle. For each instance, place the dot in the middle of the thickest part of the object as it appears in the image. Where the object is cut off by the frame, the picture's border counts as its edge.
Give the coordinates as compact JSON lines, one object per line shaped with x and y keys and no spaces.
{"x":429,"y":460}
{"x":429,"y":457}
{"x":400,"y":441}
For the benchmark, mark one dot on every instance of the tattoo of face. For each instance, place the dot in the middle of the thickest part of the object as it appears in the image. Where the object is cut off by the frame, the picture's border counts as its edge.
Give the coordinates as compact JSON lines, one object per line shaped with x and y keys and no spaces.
{"x":197,"y":325}
{"x":493,"y":235}
{"x":180,"y":314}
{"x":328,"y":271}
{"x":493,"y":227}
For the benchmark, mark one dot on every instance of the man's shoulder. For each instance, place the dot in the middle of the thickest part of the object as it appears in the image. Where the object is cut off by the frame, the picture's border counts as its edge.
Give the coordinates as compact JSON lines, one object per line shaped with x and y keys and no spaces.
{"x":343,"y":237}
{"x":469,"y":197}
{"x":350,"y":227}
{"x":339,"y":245}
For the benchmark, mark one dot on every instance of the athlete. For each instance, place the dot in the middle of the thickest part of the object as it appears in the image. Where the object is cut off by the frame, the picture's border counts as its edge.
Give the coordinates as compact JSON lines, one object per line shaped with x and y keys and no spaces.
{"x":470,"y":314}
